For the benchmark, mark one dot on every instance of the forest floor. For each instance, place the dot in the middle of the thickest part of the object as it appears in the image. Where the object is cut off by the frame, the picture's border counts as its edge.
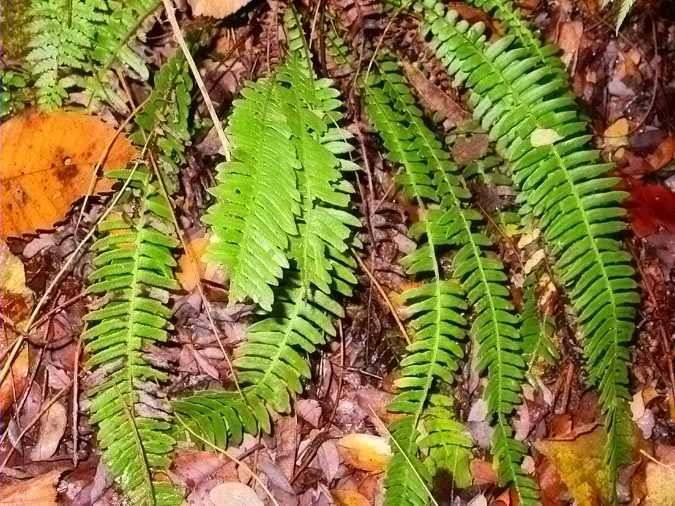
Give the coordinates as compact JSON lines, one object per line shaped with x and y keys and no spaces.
{"x":624,"y":81}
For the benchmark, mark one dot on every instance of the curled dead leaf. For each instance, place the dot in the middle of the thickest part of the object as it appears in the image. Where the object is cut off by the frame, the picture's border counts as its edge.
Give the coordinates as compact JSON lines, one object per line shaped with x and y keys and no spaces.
{"x":46,"y":164}
{"x":365,"y":452}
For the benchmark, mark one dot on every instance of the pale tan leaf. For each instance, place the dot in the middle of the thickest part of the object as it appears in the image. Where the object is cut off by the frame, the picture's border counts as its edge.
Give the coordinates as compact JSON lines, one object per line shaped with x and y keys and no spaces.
{"x":365,"y":452}
{"x":234,"y":493}
{"x":46,"y":164}
{"x":216,"y":8}
{"x":52,"y":427}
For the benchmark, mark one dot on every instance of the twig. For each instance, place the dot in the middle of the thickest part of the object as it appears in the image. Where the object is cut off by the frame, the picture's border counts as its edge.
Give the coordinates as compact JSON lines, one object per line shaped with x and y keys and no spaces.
{"x":178,"y":35}
{"x":383,"y":294}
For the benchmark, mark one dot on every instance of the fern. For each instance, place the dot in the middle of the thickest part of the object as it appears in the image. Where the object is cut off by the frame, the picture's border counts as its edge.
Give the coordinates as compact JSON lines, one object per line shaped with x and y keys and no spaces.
{"x":119,"y":41}
{"x":298,"y":114}
{"x":429,"y":175}
{"x":134,"y":269}
{"x":14,"y":93}
{"x":63,"y":34}
{"x":537,"y":129}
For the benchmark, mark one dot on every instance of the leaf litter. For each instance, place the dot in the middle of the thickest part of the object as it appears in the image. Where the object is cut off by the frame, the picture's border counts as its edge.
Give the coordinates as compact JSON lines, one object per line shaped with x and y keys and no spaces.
{"x":331,"y":450}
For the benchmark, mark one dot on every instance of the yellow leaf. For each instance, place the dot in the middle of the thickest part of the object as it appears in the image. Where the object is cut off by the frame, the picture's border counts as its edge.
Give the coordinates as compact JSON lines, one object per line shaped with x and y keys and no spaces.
{"x":365,"y":452}
{"x":616,"y":134}
{"x":349,"y":497}
{"x":660,"y":479}
{"x":580,"y":465}
{"x":544,"y":137}
{"x":216,"y":8}
{"x":16,"y":301}
{"x":46,"y":164}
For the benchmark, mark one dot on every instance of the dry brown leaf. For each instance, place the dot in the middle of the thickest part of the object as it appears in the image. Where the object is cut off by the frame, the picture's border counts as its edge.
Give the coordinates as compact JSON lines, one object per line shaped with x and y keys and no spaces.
{"x":40,"y":490}
{"x":216,"y":8}
{"x":365,"y":452}
{"x":52,"y":427}
{"x":46,"y":163}
{"x":569,"y":41}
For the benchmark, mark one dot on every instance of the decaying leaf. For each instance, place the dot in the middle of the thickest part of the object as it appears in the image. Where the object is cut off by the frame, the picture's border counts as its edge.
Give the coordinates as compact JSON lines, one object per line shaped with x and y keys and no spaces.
{"x":216,"y":8}
{"x":616,"y":134}
{"x":580,"y":465}
{"x":233,"y":493}
{"x":46,"y":164}
{"x":660,"y":476}
{"x":40,"y":490}
{"x":52,"y":426}
{"x":365,"y":451}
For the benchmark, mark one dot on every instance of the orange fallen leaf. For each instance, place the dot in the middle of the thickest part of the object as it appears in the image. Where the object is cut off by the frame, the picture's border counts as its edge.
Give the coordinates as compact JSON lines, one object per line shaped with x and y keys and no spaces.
{"x":191,"y":267}
{"x":616,"y":134}
{"x":663,"y":154}
{"x":46,"y":164}
{"x":365,"y":452}
{"x":216,"y":8}
{"x":39,"y":490}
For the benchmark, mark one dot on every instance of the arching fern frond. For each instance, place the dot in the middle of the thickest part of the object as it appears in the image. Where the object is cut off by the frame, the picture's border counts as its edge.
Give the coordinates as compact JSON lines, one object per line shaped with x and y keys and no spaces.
{"x":271,"y":364}
{"x":134,"y":270}
{"x":565,"y":185}
{"x":452,"y":224}
{"x":433,"y":310}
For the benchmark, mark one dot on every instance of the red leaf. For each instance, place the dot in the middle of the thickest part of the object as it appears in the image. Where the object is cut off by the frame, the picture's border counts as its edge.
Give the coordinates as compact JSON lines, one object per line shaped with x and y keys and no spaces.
{"x":651,"y":207}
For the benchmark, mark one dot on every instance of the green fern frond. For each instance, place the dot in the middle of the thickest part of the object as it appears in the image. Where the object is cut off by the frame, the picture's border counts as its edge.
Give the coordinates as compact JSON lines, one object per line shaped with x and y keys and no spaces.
{"x":301,"y":114}
{"x":14,"y":92}
{"x":133,"y":271}
{"x":537,"y":129}
{"x":119,"y":42}
{"x":446,"y":442}
{"x":433,"y":310}
{"x":63,"y":34}
{"x":165,"y":117}
{"x":450,"y":223}
{"x":220,"y":418}
{"x":257,"y":197}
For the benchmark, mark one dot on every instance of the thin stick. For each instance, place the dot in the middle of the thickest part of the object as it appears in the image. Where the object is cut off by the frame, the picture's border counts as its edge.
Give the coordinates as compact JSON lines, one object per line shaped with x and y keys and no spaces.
{"x":231,"y":457}
{"x":178,"y":35}
{"x":383,"y":294}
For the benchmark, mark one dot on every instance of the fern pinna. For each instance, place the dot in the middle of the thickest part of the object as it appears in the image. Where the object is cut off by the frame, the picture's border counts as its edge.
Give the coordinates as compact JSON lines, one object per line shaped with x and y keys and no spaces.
{"x":74,"y":44}
{"x":283,"y":190}
{"x":133,"y":274}
{"x":431,"y":179}
{"x":525,"y":107}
